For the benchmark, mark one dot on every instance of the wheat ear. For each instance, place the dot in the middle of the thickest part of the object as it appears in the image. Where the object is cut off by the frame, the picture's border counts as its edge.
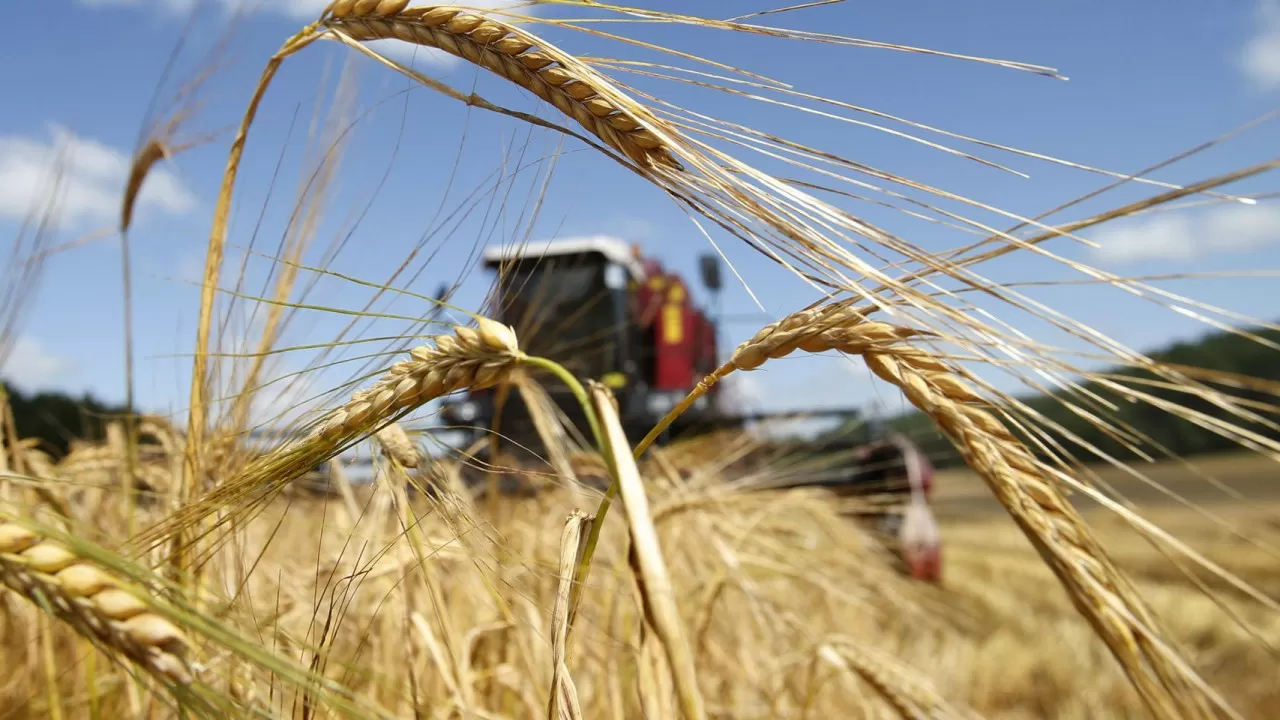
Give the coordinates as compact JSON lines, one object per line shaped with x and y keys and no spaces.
{"x":91,"y":600}
{"x":1098,"y":589}
{"x":471,"y":358}
{"x":551,"y":74}
{"x":397,"y":445}
{"x":910,"y":694}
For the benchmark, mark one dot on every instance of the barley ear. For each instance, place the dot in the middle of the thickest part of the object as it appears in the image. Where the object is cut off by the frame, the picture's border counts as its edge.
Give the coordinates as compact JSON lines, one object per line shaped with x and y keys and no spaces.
{"x":568,"y":84}
{"x":397,"y":445}
{"x":911,"y":695}
{"x":1100,"y":590}
{"x":92,"y":600}
{"x":476,"y":359}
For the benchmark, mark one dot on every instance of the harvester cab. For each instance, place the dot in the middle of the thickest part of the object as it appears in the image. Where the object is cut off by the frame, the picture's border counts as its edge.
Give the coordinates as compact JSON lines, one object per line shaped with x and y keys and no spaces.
{"x":603,"y":310}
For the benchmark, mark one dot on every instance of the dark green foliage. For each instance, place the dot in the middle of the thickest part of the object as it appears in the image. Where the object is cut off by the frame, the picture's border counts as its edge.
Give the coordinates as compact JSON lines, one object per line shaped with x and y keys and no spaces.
{"x":1152,"y":428}
{"x":56,"y":418}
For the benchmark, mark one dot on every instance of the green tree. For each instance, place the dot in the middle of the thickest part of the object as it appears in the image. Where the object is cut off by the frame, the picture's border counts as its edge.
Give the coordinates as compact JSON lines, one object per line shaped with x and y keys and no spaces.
{"x":57,"y":418}
{"x":1144,"y":421}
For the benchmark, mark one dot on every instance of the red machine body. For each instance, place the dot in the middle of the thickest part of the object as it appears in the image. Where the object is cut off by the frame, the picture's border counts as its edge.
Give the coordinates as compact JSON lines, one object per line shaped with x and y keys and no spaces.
{"x":681,"y":338}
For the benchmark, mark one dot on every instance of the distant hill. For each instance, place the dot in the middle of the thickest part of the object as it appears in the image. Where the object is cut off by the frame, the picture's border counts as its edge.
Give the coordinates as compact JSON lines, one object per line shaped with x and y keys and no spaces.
{"x":57,"y":418}
{"x":1220,"y":351}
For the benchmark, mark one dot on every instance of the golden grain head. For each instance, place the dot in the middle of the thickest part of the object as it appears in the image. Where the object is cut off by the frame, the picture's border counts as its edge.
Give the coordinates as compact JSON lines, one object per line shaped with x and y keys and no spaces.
{"x":119,"y":604}
{"x":517,"y":56}
{"x":48,"y":557}
{"x":15,"y":538}
{"x":83,"y":580}
{"x":91,"y":600}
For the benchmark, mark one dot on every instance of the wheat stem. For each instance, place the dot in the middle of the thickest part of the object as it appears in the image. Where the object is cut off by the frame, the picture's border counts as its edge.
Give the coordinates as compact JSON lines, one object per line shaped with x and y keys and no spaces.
{"x":648,"y":566}
{"x":575,"y":387}
{"x":602,"y":511}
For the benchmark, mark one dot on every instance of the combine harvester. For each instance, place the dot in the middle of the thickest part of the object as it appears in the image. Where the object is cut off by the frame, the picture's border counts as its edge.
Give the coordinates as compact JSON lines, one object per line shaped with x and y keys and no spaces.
{"x":603,"y":310}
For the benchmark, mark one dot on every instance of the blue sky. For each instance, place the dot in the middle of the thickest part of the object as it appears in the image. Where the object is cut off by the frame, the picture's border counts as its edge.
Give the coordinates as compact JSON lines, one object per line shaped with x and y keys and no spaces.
{"x":1146,"y":82}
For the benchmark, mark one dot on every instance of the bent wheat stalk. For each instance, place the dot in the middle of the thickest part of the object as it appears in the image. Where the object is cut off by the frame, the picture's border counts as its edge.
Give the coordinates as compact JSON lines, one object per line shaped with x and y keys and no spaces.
{"x":647,"y":563}
{"x":563,"y":703}
{"x":1097,"y":588}
{"x":92,"y":601}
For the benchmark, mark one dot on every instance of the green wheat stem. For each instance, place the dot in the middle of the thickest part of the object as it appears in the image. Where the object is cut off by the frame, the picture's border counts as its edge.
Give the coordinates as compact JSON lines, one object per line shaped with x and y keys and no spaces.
{"x":703,"y":386}
{"x":602,"y":511}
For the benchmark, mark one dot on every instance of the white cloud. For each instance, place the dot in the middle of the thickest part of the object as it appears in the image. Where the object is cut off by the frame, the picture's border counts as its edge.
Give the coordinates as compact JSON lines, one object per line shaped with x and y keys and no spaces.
{"x":1234,"y":228}
{"x":1260,"y":58}
{"x":308,"y":10}
{"x":743,"y":392}
{"x":31,"y":366}
{"x":87,"y":176}
{"x":278,"y":403}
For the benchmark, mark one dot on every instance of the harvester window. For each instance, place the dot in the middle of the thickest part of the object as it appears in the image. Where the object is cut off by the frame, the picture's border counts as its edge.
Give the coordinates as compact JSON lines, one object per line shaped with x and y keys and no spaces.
{"x":565,"y":311}
{"x":547,"y":283}
{"x":615,"y":276}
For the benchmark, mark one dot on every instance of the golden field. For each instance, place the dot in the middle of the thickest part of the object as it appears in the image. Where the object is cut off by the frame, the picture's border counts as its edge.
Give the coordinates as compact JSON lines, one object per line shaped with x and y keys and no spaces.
{"x":176,"y":566}
{"x":792,"y":609}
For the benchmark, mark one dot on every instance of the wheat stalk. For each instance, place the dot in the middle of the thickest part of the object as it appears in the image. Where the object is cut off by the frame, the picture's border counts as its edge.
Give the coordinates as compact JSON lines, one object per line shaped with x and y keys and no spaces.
{"x":551,"y":74}
{"x":1099,"y":590}
{"x":91,"y":600}
{"x":647,"y":564}
{"x":563,"y":703}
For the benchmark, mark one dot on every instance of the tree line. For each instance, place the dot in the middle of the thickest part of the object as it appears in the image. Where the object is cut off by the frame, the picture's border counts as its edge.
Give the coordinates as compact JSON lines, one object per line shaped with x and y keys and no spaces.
{"x":55,"y":418}
{"x":1240,"y":362}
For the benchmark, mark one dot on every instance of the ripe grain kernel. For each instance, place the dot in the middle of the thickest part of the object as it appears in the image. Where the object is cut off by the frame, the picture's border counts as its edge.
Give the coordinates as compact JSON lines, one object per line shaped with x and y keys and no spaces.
{"x":88,"y":599}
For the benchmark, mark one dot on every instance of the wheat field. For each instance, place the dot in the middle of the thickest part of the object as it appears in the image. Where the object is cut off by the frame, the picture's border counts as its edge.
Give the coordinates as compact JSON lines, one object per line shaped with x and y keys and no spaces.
{"x":190,"y":564}
{"x":793,"y":610}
